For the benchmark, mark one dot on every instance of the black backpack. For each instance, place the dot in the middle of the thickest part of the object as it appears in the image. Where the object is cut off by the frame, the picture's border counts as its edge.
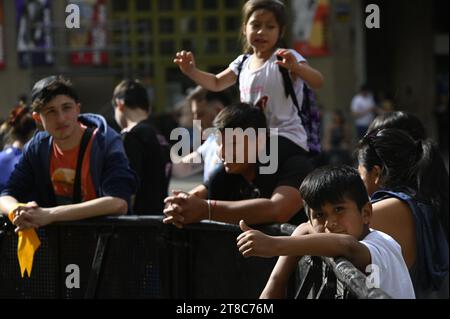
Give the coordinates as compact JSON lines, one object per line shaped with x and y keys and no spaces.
{"x":309,"y":112}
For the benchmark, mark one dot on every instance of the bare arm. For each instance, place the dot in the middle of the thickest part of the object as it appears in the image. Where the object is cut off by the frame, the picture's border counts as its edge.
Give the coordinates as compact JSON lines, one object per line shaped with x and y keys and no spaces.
{"x":200,"y":191}
{"x":285,"y":266}
{"x":310,"y":75}
{"x":186,"y":63}
{"x":255,"y":243}
{"x":33,"y":215}
{"x":7,"y":203}
{"x":387,"y":215}
{"x":284,"y":203}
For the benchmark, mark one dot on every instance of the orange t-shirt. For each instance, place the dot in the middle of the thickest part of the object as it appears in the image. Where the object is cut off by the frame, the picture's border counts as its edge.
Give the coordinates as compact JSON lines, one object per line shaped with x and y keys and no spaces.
{"x":63,"y":165}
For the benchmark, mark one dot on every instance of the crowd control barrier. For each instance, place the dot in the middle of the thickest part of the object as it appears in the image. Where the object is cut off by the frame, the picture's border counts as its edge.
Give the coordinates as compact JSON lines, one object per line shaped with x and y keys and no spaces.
{"x":140,"y":257}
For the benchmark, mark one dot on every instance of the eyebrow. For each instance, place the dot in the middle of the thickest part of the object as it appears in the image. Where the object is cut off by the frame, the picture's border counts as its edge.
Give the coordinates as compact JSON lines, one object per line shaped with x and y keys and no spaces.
{"x":52,"y":107}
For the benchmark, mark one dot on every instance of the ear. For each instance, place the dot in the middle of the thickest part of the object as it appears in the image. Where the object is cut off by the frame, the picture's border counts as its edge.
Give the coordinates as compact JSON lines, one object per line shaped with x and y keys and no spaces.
{"x":366,"y":213}
{"x":36,"y":117}
{"x":376,"y":174}
{"x":120,"y":104}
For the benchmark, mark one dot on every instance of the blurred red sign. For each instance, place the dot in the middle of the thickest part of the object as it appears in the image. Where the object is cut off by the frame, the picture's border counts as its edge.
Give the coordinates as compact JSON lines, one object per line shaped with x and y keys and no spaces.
{"x":310,"y":27}
{"x":91,"y":39}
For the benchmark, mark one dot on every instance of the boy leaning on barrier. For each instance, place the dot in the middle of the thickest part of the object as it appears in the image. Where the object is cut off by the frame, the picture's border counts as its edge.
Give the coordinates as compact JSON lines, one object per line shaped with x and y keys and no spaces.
{"x":339,"y":213}
{"x":242,"y":188}
{"x":57,"y":180}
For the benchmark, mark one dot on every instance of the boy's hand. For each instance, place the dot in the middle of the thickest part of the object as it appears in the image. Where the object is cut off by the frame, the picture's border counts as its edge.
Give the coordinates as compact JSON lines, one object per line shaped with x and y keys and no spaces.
{"x":255,"y":243}
{"x":185,"y":61}
{"x":183,"y":208}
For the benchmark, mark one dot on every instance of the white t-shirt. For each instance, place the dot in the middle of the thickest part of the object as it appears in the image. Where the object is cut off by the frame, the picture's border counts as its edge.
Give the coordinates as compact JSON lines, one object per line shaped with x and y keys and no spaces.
{"x":208,"y":152}
{"x":362,"y":103}
{"x":267,"y":82}
{"x":386,"y":255}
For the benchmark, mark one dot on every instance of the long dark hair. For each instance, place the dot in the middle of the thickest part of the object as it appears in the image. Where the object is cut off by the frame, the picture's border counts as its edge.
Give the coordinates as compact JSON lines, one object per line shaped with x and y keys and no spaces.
{"x":400,"y":120}
{"x":415,"y":167}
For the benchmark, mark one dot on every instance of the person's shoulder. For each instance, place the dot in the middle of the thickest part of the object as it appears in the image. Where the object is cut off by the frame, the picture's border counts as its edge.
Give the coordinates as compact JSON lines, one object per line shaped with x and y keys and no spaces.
{"x":381,"y":241}
{"x":357,"y":98}
{"x":39,"y":138}
{"x":144,"y":127}
{"x":392,"y":205}
{"x":298,"y":56}
{"x":220,"y":177}
{"x":240,"y":60}
{"x":146,"y":132}
{"x":378,"y":235}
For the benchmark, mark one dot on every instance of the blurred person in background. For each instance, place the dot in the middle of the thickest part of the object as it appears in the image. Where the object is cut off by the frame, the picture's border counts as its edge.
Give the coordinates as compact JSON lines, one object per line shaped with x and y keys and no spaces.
{"x":205,"y":106}
{"x":16,"y":131}
{"x":337,"y":140}
{"x":147,"y":150}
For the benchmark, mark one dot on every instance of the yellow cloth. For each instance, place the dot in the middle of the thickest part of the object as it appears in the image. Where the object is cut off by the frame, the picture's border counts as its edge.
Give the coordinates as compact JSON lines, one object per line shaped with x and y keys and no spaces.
{"x":26,"y":247}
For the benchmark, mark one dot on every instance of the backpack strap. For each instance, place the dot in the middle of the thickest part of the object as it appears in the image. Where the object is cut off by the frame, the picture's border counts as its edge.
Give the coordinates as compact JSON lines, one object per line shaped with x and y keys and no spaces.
{"x":288,"y":86}
{"x":77,"y":183}
{"x":240,"y":66}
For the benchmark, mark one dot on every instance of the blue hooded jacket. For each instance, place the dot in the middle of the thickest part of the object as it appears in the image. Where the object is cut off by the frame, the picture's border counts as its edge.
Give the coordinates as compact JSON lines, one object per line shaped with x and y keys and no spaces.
{"x":109,"y":168}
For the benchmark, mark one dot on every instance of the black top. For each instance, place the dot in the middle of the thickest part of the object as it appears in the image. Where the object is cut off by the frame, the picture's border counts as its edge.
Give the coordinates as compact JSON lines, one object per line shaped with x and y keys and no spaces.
{"x":234,"y":187}
{"x":149,"y":155}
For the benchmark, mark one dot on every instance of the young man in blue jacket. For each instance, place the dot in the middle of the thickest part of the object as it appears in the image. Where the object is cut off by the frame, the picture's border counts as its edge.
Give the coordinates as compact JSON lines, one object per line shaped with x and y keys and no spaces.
{"x":76,"y":168}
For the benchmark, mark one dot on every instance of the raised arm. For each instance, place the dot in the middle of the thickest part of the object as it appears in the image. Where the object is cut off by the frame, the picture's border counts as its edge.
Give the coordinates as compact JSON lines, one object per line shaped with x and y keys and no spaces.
{"x":310,"y":75}
{"x":186,"y":63}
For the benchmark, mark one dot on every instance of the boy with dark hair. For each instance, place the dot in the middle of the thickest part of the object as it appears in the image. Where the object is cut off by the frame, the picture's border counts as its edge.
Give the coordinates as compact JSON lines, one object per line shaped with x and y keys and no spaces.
{"x":245,"y":187}
{"x":339,"y":214}
{"x":147,"y":150}
{"x":76,"y":168}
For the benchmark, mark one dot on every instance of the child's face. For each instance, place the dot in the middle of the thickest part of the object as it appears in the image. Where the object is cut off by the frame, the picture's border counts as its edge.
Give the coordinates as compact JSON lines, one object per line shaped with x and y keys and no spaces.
{"x":262,"y":31}
{"x":342,"y":218}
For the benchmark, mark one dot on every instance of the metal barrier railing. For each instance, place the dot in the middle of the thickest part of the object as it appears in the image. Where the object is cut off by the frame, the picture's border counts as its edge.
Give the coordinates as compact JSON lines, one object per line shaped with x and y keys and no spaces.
{"x":328,"y":278}
{"x":140,"y":257}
